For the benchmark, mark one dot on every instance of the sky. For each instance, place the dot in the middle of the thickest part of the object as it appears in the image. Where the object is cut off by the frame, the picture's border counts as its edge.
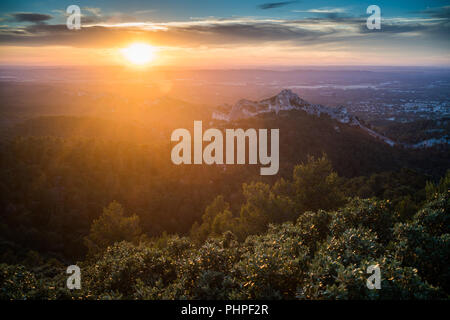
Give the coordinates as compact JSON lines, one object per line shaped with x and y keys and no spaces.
{"x":227,"y":34}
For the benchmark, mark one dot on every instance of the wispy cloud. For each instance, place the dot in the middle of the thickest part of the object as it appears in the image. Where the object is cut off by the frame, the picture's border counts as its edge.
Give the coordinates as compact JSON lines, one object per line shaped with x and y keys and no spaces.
{"x":93,"y":11}
{"x":328,"y":27}
{"x":440,"y":12}
{"x":30,"y":17}
{"x":143,"y":12}
{"x":323,"y":10}
{"x":273,"y":5}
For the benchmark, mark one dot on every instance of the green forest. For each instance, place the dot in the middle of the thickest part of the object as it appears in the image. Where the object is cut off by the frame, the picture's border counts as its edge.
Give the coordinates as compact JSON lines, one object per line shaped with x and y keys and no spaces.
{"x":110,"y":201}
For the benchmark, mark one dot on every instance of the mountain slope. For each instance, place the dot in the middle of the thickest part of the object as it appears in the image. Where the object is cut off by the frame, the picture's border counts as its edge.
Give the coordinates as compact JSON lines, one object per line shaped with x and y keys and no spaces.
{"x":287,"y":100}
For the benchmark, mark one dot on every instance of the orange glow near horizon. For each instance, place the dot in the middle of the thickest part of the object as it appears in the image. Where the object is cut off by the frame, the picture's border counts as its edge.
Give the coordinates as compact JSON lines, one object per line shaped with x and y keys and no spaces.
{"x":140,"y":55}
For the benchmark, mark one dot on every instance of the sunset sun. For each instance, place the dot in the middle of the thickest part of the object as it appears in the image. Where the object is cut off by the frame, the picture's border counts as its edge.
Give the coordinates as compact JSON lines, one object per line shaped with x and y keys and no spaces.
{"x":139,"y":53}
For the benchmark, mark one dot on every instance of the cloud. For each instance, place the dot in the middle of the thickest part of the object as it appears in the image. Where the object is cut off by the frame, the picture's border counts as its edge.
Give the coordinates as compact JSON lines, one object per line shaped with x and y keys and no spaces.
{"x":186,"y":34}
{"x":94,"y":11}
{"x":30,"y":17}
{"x":327,"y":28}
{"x":144,"y":12}
{"x":323,"y":10}
{"x":273,"y":5}
{"x":244,"y":32}
{"x":440,"y":13}
{"x":334,"y":18}
{"x":94,"y":16}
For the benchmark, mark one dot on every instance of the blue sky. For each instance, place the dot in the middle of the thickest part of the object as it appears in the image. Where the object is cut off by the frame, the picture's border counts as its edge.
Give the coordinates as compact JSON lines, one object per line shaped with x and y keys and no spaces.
{"x":171,"y":10}
{"x":413,"y":32}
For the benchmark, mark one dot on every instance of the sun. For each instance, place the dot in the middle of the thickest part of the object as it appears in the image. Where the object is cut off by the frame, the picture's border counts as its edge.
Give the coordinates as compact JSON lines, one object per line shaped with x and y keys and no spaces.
{"x":139,"y":53}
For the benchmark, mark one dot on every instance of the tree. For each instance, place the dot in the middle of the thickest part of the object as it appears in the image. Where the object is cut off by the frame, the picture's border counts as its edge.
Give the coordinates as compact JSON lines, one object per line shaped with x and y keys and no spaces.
{"x":443,"y":186}
{"x":316,"y":185}
{"x":263,"y":205}
{"x":112,"y":226}
{"x":424,"y":243}
{"x":216,"y":220}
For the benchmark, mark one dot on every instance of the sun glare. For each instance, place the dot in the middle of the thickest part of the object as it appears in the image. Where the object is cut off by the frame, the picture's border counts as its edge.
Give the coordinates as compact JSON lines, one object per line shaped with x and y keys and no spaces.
{"x":139,"y":53}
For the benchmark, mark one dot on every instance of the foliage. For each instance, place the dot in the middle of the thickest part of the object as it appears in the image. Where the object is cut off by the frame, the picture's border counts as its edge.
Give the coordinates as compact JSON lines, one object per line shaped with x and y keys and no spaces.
{"x":424,"y":243}
{"x":316,"y":185}
{"x":432,"y":190}
{"x":216,"y":220}
{"x":308,"y":236}
{"x":323,"y":255}
{"x":110,"y":227}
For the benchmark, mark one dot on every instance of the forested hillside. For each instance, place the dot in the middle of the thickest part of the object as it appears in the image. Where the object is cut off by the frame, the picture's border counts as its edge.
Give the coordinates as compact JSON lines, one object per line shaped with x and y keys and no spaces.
{"x":280,"y":246}
{"x":104,"y":194}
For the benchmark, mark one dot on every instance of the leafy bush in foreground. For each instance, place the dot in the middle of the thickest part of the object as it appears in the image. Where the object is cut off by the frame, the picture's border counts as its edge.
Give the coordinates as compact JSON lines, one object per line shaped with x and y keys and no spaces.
{"x":272,"y":250}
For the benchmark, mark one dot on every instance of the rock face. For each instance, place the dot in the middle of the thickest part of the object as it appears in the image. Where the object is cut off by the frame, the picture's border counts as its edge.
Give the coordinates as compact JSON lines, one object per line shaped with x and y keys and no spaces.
{"x":287,"y":100}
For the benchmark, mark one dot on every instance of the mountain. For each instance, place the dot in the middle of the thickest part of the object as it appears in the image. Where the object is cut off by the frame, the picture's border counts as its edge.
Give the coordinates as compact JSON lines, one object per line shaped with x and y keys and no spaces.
{"x":287,"y":100}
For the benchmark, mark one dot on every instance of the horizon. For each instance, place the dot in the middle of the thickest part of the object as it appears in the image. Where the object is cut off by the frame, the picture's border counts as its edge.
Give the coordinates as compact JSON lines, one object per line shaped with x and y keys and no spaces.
{"x":274,"y":68}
